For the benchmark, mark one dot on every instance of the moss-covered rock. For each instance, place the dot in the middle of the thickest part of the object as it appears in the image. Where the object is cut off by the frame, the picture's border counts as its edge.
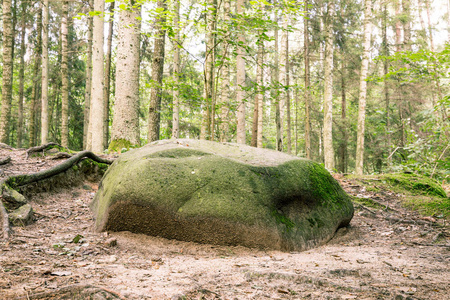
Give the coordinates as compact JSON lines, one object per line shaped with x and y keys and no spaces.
{"x":416,"y":183}
{"x":222,"y":194}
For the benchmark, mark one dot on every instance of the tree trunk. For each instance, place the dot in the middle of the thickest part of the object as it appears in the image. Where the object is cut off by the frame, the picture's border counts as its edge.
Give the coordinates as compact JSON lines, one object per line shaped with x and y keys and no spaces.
{"x":344,"y":141}
{"x":209,"y":114}
{"x":307,"y":85}
{"x":398,"y":28}
{"x":407,"y":25}
{"x":154,"y":113}
{"x":176,"y":72}
{"x":225,"y":87}
{"x":260,"y":94}
{"x":8,"y":36}
{"x":240,"y":78}
{"x":430,"y":27}
{"x":95,"y":132}
{"x":44,"y":92}
{"x":287,"y":89}
{"x":108,"y":76}
{"x":34,"y":107}
{"x":359,"y":168}
{"x":282,"y":76}
{"x":276,"y":93}
{"x":64,"y":76}
{"x":87,"y":94}
{"x":328,"y":93}
{"x":386,"y":87}
{"x":125,"y":127}
{"x":21,"y":76}
{"x":254,"y":141}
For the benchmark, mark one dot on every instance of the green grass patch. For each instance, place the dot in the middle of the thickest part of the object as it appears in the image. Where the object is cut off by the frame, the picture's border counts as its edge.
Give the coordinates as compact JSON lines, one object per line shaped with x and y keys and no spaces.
{"x":367,"y":202}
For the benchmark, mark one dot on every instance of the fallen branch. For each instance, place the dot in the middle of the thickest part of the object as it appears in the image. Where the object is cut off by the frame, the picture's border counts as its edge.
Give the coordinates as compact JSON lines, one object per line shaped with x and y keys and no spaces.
{"x":5,"y":160}
{"x":403,"y":221}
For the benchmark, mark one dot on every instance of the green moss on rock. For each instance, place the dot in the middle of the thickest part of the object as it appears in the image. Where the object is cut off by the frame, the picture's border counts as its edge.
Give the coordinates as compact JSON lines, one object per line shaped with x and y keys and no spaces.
{"x":118,"y":145}
{"x":223,"y":194}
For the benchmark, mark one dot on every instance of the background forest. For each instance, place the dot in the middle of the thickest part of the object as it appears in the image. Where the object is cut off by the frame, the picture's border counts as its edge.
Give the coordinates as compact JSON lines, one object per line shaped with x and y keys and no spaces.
{"x":362,"y":86}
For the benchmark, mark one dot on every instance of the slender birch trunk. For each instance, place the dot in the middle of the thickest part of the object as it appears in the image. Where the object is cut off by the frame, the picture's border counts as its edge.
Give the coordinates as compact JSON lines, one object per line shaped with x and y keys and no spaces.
{"x":87,"y":94}
{"x":64,"y":76}
{"x":154,"y":114}
{"x":359,"y":168}
{"x":108,"y":75}
{"x":176,"y":72}
{"x":8,"y":36}
{"x":307,"y":85}
{"x":240,"y":78}
{"x":21,"y":76}
{"x":328,"y":93}
{"x":95,"y":132}
{"x":125,"y":126}
{"x":44,"y":92}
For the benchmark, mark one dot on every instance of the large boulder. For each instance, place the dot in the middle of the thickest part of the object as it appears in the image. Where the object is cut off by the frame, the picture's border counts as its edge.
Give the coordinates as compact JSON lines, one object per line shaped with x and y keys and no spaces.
{"x":221,"y":193}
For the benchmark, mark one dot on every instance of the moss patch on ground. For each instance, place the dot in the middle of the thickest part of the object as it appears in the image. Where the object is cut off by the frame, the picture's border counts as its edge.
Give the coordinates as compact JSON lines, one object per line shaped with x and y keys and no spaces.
{"x":421,"y":193}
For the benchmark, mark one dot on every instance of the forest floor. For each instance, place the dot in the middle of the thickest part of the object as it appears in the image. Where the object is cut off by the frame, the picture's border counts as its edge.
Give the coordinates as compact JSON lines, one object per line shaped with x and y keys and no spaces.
{"x":388,"y":252}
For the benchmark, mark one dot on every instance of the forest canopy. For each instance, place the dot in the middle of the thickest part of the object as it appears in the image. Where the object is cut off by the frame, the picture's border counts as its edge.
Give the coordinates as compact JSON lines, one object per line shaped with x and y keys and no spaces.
{"x":361,"y":86}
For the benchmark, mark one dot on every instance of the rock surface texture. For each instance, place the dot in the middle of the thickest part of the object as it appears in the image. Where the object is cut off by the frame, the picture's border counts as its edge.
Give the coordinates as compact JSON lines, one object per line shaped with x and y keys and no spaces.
{"x":221,"y":193}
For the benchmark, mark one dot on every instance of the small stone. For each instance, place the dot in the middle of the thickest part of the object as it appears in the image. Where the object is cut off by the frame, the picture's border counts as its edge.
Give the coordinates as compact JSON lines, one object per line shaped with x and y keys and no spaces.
{"x":21,"y":216}
{"x":111,"y":242}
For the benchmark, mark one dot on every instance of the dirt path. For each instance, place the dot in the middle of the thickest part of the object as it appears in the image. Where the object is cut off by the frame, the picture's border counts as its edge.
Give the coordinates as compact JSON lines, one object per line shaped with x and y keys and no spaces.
{"x":377,"y":257}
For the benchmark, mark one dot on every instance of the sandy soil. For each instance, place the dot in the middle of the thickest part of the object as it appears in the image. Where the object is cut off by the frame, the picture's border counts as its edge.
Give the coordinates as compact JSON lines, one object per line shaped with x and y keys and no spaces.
{"x":385,"y":254}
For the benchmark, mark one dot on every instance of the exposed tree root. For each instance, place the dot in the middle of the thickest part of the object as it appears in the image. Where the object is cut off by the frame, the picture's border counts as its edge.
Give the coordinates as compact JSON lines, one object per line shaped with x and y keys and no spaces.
{"x":79,"y":291}
{"x":42,"y":148}
{"x":25,"y":179}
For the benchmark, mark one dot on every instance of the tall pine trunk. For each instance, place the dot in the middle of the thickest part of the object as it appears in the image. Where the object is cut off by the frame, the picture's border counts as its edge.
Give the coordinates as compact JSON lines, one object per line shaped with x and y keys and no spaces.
{"x":35,"y":90}
{"x":359,"y":168}
{"x":328,"y":93}
{"x":154,"y":114}
{"x":225,"y":85}
{"x":64,"y":76}
{"x":386,"y":86}
{"x":95,"y":132}
{"x":176,"y":72}
{"x":287,"y":89}
{"x":275,"y":92}
{"x":87,"y":94}
{"x":7,"y":78}
{"x":307,"y":85}
{"x":108,"y":76}
{"x":44,"y":92}
{"x":240,"y":78}
{"x":21,"y":75}
{"x":260,"y":94}
{"x":125,"y":126}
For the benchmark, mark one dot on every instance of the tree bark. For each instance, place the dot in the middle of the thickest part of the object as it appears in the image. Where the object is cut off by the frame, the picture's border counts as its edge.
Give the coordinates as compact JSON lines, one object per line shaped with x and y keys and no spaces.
{"x":21,"y":76}
{"x":260,"y":94}
{"x":287,"y":89}
{"x":64,"y":76}
{"x":95,"y":132}
{"x":34,"y":105}
{"x":176,"y":72}
{"x":154,"y":114}
{"x":225,"y":86}
{"x":240,"y":78}
{"x":275,"y":92}
{"x":359,"y":168}
{"x":44,"y":92}
{"x":407,"y":25}
{"x":398,"y":28}
{"x":87,"y":94}
{"x":108,"y":75}
{"x":254,"y":141}
{"x":209,"y":113}
{"x":125,"y":127}
{"x":307,"y":84}
{"x":7,"y":78}
{"x":328,"y":93}
{"x":386,"y":86}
